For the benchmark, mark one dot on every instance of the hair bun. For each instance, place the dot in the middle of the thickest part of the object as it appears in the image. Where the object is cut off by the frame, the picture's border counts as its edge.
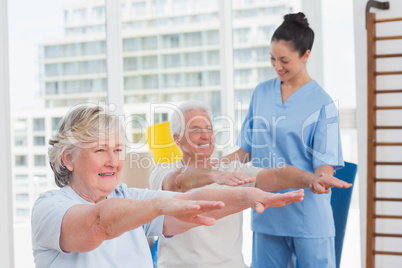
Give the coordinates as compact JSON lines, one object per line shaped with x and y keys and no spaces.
{"x":297,"y":18}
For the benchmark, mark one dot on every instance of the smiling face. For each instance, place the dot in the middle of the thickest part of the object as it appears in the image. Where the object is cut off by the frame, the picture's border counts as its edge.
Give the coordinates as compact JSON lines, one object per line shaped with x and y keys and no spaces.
{"x":96,"y":170}
{"x":198,"y":140}
{"x":288,"y":64}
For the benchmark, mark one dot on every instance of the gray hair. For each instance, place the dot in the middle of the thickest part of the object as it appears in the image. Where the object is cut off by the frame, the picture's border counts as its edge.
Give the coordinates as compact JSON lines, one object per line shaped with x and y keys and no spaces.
{"x":177,"y":122}
{"x":82,"y":124}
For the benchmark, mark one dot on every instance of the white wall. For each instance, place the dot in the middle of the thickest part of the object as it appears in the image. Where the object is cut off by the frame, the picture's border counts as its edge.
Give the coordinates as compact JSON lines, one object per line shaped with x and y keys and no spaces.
{"x":361,"y":88}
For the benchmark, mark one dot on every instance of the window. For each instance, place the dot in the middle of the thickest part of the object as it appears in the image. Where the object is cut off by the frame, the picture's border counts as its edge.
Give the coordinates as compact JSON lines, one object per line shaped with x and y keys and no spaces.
{"x":53,"y":51}
{"x":181,"y":6}
{"x":138,"y":9}
{"x":20,"y":140}
{"x":194,"y":79}
{"x":241,"y":36}
{"x":160,"y":117}
{"x":130,"y":64}
{"x":94,"y":48}
{"x":23,"y":212}
{"x":66,"y":16}
{"x":159,"y":7}
{"x":133,"y":82}
{"x":38,"y":124}
{"x":263,"y":54}
{"x":150,"y":81}
{"x":79,"y":15}
{"x":180,"y":20}
{"x":193,"y":39}
{"x":265,"y":33}
{"x":55,"y":122}
{"x":51,"y":70}
{"x":20,"y":125}
{"x":71,"y":50}
{"x":212,"y":38}
{"x":150,"y":62}
{"x":22,"y":197}
{"x":248,"y":13}
{"x":269,"y":11}
{"x":131,"y":44}
{"x":150,"y":42}
{"x":173,"y":80}
{"x":265,"y":74}
{"x":98,"y":13}
{"x":205,"y":4}
{"x":172,"y":61}
{"x":171,"y":41}
{"x":39,"y":141}
{"x":243,"y":77}
{"x":213,"y":78}
{"x":242,"y":56}
{"x":40,"y":160}
{"x":52,"y":88}
{"x":213,"y":57}
{"x":194,"y":59}
{"x":21,"y":177}
{"x":21,"y":160}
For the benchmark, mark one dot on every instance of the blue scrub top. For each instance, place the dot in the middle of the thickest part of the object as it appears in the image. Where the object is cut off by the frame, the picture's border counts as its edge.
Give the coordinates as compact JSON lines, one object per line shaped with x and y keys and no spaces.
{"x":302,"y":132}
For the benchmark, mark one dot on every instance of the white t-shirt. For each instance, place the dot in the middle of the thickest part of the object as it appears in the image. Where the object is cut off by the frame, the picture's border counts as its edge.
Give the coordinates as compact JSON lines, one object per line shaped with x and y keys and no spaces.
{"x":214,"y":246}
{"x":131,"y":249}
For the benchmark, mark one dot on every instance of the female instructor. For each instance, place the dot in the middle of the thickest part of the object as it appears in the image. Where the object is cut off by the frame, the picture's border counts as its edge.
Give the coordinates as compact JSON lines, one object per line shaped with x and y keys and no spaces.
{"x":292,"y":121}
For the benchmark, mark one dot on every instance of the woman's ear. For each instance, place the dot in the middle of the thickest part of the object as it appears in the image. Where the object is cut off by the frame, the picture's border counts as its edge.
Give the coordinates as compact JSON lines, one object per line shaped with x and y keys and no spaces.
{"x":306,"y":55}
{"x":67,"y":161}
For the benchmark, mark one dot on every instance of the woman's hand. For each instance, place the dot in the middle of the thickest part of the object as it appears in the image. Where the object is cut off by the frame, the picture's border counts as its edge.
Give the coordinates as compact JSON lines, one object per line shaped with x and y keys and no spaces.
{"x":325,"y":182}
{"x":189,"y":210}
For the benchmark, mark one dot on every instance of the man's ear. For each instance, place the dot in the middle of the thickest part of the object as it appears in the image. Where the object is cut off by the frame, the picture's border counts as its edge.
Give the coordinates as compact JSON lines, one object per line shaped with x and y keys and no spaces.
{"x":176,"y":139}
{"x":67,"y":161}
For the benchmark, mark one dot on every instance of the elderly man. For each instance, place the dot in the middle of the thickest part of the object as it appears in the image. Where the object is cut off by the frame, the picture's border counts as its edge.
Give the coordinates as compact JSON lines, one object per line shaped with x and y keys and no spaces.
{"x":219,"y":245}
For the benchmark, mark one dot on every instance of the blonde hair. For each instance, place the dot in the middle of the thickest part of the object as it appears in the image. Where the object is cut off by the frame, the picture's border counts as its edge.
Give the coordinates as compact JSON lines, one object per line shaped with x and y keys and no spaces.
{"x":82,"y":124}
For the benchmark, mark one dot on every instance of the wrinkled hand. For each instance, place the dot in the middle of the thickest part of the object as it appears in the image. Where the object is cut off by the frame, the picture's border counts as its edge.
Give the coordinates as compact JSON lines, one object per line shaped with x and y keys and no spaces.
{"x":325,"y":182}
{"x":232,"y":178}
{"x":190,"y":210}
{"x":262,"y":200}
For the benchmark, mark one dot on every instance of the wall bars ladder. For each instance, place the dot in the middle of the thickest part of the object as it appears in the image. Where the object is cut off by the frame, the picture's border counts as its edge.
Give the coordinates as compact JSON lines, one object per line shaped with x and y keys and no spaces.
{"x":378,"y":126}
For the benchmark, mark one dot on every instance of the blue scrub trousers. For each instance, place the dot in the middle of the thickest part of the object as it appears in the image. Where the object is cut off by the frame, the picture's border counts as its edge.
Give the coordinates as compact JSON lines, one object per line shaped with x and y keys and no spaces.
{"x":271,"y":251}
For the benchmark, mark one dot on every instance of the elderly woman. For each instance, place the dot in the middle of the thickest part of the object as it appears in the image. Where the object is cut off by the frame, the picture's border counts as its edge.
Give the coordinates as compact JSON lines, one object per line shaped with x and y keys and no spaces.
{"x":92,"y":222}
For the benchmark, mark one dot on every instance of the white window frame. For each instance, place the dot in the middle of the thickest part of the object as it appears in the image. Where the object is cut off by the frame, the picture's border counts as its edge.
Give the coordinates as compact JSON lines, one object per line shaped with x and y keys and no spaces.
{"x":6,"y":205}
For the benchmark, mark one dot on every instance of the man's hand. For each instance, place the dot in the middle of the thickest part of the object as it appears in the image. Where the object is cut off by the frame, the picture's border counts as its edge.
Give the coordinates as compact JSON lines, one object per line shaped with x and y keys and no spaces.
{"x":260,"y":200}
{"x":325,"y":182}
{"x":190,"y":210}
{"x":231,"y":178}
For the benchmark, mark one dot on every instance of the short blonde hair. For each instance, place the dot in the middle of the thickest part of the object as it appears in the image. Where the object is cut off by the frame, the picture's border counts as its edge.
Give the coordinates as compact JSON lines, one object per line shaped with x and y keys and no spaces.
{"x":82,"y":124}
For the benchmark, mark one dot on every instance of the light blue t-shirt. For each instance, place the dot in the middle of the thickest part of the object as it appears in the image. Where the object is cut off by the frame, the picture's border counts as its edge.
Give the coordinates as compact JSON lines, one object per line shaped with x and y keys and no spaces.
{"x":302,"y":132}
{"x":131,"y":249}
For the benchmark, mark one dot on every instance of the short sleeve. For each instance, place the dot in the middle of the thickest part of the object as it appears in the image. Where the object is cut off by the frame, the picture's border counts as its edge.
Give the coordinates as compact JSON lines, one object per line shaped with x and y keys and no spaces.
{"x":159,"y":173}
{"x":154,"y":227}
{"x":327,"y":147}
{"x":47,"y":216}
{"x":245,"y":137}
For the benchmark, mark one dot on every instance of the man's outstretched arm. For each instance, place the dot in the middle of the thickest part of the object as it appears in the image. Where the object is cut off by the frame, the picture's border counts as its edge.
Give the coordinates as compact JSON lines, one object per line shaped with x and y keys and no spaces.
{"x":190,"y":177}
